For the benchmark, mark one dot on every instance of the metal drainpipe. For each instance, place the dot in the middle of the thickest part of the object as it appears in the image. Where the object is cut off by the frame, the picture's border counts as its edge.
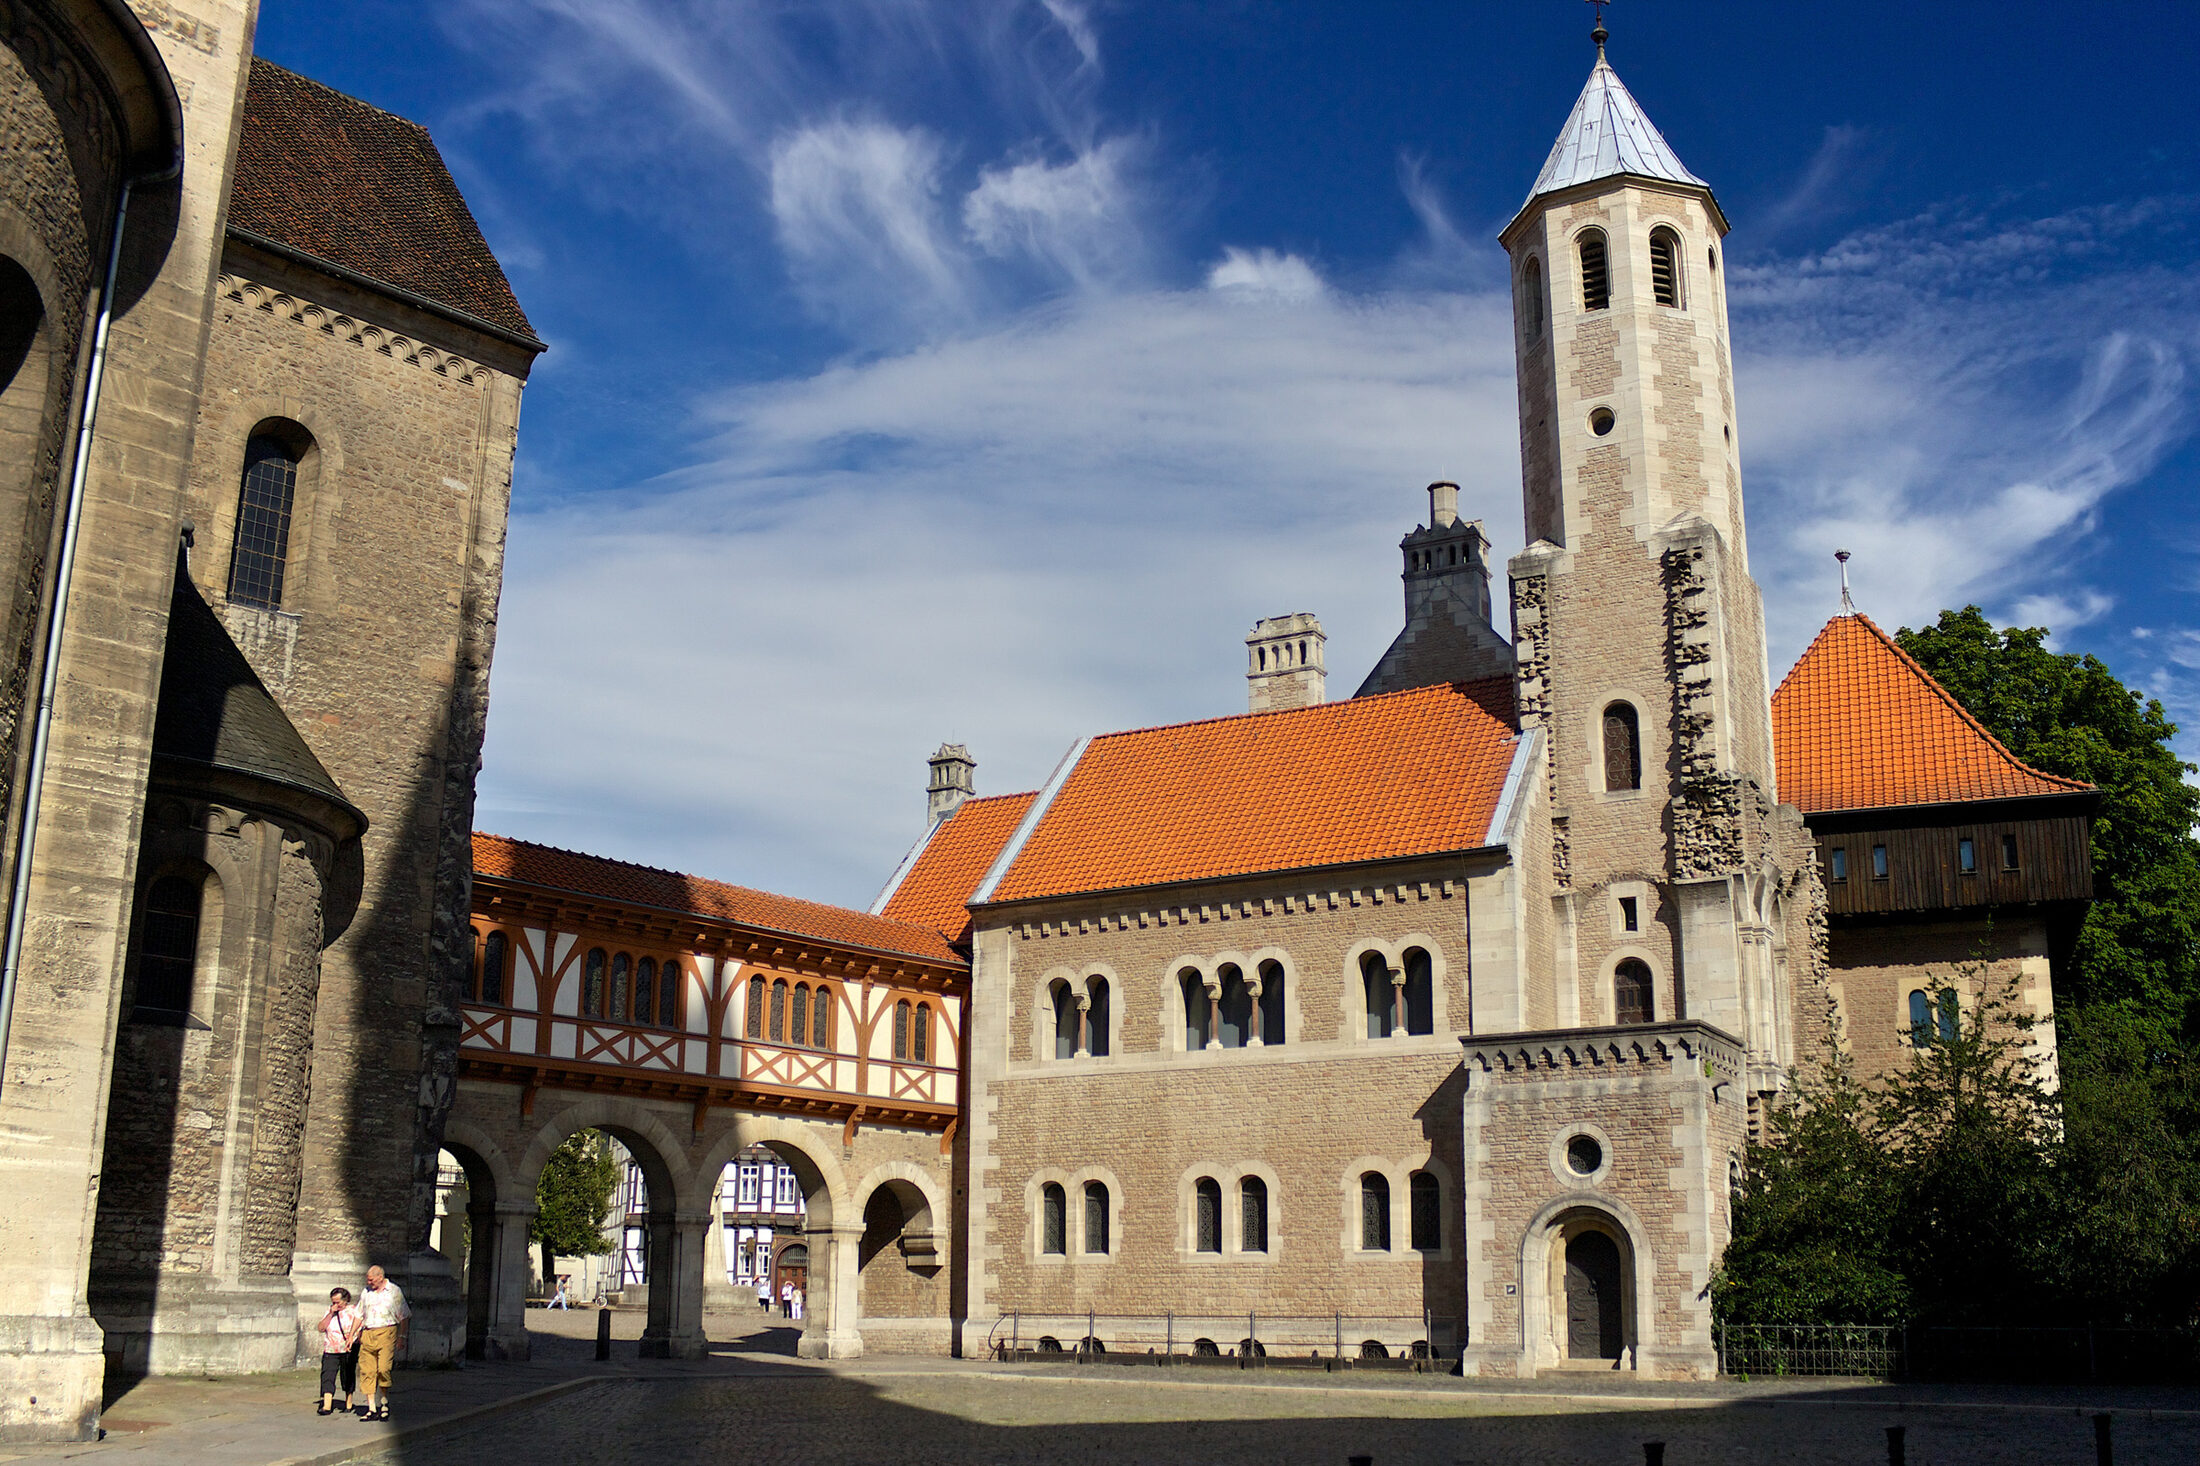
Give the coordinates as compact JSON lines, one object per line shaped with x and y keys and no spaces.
{"x":26,"y":839}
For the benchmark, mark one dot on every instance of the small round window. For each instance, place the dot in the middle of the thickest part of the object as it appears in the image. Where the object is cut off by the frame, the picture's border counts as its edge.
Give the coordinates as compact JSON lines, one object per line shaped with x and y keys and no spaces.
{"x":1601,"y":420}
{"x":1583,"y":1155}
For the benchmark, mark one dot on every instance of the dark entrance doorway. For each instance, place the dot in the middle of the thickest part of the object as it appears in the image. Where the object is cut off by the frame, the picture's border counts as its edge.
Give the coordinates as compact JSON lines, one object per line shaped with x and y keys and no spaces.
{"x":1592,"y":1297}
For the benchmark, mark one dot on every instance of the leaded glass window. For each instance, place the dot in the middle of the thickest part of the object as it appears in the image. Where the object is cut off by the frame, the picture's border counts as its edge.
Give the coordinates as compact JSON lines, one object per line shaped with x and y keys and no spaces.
{"x":800,"y":1026}
{"x":756,"y":1007}
{"x":645,"y":991}
{"x":168,"y":947}
{"x":264,"y":504}
{"x":1374,"y":1213}
{"x":495,"y":951}
{"x":1053,"y":1221}
{"x":1208,"y":1224}
{"x":622,"y":967}
{"x":592,"y":984}
{"x":1428,"y":1213}
{"x":1096,"y":1217}
{"x":821,"y":1019}
{"x":1253,"y":1215}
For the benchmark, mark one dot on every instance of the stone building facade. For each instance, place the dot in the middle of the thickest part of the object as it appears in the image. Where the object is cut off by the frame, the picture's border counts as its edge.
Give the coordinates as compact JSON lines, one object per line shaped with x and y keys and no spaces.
{"x":257,"y":406}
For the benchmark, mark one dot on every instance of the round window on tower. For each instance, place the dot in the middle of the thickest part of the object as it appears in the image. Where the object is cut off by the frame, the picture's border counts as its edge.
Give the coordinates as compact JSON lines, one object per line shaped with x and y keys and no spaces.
{"x":1584,"y":1155}
{"x":1601,"y":421}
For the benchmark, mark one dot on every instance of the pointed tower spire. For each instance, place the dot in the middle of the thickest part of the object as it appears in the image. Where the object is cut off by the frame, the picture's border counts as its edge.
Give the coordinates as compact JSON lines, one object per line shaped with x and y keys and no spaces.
{"x":1606,"y":135}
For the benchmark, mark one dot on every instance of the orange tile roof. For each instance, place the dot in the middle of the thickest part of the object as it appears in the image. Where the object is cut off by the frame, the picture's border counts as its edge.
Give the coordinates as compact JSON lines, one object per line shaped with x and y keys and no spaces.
{"x":1858,"y":724}
{"x":936,"y":892}
{"x":1375,"y":778}
{"x":497,"y":857}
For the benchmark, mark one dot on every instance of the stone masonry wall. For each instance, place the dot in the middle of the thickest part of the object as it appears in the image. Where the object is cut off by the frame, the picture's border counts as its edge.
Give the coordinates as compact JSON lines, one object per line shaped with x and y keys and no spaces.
{"x":1875,"y":968}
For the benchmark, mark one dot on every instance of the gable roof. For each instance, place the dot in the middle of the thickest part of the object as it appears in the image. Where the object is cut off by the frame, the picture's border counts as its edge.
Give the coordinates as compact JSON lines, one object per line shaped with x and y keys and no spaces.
{"x":326,"y":176}
{"x":499,"y":857}
{"x":956,"y":855}
{"x":1606,"y":135}
{"x":1375,"y":778}
{"x":1858,"y":724}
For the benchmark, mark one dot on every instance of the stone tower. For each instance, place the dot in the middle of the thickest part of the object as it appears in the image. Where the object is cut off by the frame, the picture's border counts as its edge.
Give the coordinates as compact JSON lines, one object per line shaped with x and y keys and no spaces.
{"x":1284,"y":663}
{"x":953,"y":780}
{"x":1447,"y":635}
{"x":1638,"y":631}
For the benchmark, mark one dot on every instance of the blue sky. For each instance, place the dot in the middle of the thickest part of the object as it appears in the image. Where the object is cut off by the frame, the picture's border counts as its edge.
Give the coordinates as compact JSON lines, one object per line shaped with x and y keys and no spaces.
{"x":980,"y":370}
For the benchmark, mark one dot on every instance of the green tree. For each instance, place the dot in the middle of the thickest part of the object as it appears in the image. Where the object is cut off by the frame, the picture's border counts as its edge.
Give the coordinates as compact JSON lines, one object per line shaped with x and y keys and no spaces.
{"x":573,"y":1201}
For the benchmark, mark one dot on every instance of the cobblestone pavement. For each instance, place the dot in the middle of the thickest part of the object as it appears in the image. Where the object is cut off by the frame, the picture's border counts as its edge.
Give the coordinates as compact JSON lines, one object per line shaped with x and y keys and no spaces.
{"x":915,"y":1414}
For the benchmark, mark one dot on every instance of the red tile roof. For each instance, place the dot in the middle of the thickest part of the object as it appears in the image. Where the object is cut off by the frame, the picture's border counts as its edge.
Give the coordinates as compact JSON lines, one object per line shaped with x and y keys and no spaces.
{"x":936,"y":892}
{"x":497,"y":857}
{"x":1375,"y":778}
{"x":1858,"y":724}
{"x":329,"y":176}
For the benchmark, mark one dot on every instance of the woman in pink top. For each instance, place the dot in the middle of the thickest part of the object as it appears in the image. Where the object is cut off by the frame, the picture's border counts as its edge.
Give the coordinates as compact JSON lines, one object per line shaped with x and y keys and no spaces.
{"x":339,"y":1350}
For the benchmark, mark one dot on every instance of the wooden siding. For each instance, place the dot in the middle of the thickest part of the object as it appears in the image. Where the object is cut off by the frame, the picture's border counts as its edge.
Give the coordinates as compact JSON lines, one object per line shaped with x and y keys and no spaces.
{"x":2054,"y":863}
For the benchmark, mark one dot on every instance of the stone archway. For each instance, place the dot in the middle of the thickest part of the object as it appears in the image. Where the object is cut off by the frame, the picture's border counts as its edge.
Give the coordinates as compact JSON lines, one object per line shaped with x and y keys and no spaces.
{"x":901,"y":1259}
{"x":1585,"y":1280}
{"x":829,"y":1327}
{"x":497,"y":1219}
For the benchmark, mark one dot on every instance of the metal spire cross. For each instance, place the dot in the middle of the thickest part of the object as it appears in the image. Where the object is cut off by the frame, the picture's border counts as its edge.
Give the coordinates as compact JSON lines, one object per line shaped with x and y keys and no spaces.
{"x":1599,"y":35}
{"x":1848,"y":607}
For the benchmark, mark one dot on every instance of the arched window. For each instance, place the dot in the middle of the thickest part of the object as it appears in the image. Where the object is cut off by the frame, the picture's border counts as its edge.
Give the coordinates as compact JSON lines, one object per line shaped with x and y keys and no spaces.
{"x":1096,"y":1017}
{"x":592,"y":1004}
{"x":1053,"y":1221}
{"x":1420,"y":992}
{"x":779,"y":1010}
{"x":1207,"y":1225}
{"x":920,"y":1033}
{"x":1622,"y":748}
{"x":168,"y":950}
{"x":264,"y":502}
{"x":756,"y":1007}
{"x":1531,"y":299}
{"x":1252,"y":1215}
{"x":1665,"y":266}
{"x":621,"y":968}
{"x":1596,"y":275}
{"x":1382,"y":998}
{"x":1374,"y":1213}
{"x":1065,"y":1021}
{"x":669,"y":987}
{"x":645,"y":990}
{"x":798,"y":1027}
{"x":821,"y":1021}
{"x":1197,"y":1027}
{"x":1921,"y":1020}
{"x":1631,"y":999}
{"x":1096,"y":1217}
{"x":1946,"y":1015}
{"x":495,"y":953}
{"x":1427,"y":1220}
{"x":1271,"y":1003}
{"x":901,"y":1030}
{"x":1235,"y":1009}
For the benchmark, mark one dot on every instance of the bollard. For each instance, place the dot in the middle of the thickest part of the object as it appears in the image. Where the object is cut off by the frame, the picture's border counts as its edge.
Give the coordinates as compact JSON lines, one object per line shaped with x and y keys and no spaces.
{"x":2104,"y":1449}
{"x":603,"y":1334}
{"x":1894,"y":1444}
{"x":1653,"y":1453}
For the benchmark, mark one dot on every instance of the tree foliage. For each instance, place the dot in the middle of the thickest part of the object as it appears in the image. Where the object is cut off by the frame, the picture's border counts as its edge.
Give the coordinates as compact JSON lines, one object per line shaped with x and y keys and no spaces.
{"x":573,"y":1199}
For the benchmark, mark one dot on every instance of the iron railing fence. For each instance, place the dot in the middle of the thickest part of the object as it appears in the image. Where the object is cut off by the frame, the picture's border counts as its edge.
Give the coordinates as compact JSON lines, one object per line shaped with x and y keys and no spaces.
{"x":2042,"y":1355}
{"x":1241,"y":1337}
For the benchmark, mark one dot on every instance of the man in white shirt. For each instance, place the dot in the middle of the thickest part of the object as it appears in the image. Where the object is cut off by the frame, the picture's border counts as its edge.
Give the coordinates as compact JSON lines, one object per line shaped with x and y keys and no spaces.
{"x":385,"y":1320}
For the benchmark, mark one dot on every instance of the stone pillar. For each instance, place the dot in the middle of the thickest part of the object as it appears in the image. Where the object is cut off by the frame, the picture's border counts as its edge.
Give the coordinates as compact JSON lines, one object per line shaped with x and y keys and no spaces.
{"x":503,"y":1269}
{"x":675,"y":1329}
{"x":829,"y":1323}
{"x":719,"y":1296}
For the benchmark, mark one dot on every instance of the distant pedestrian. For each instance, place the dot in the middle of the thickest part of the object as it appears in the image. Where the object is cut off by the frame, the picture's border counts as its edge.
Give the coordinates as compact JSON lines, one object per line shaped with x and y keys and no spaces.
{"x":339,"y":1351}
{"x":786,"y":1300}
{"x":560,"y":1300}
{"x":385,"y":1319}
{"x":799,"y":1296}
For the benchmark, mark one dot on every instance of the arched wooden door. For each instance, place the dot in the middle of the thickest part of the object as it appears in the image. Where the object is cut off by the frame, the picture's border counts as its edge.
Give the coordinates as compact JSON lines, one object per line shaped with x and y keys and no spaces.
{"x":1593,"y":1280}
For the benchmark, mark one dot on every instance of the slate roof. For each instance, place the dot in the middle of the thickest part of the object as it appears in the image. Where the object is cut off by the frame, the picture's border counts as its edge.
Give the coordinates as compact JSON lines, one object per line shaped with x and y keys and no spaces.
{"x":1606,"y":135}
{"x":523,"y":863}
{"x":1858,"y":724}
{"x":956,"y":855}
{"x":328,"y":176}
{"x":1375,"y":778}
{"x":214,"y":710}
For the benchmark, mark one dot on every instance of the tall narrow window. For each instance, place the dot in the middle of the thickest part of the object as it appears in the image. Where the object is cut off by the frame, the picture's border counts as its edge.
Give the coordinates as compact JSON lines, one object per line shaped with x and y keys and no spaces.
{"x":1622,"y":748}
{"x":1235,"y":1009}
{"x":1053,"y":1221}
{"x":645,"y":990}
{"x":1946,"y":1015}
{"x":798,"y":1027}
{"x":1921,"y":1020}
{"x":1967,"y":857}
{"x":1420,"y":992}
{"x":1097,"y":1018}
{"x":1065,"y":1022}
{"x":1252,"y":1215}
{"x":1271,"y":1003}
{"x":1879,"y":862}
{"x":1630,"y":914}
{"x":495,"y":950}
{"x":1631,"y":1000}
{"x":1531,"y":299}
{"x":920,"y":1033}
{"x":2008,"y":852}
{"x":1382,"y":998}
{"x":1207,"y":1202}
{"x":1838,"y":862}
{"x":668,"y":995}
{"x":264,"y":502}
{"x":779,"y":1010}
{"x":1428,"y":1213}
{"x":1374,"y":1213}
{"x":1096,"y":1217}
{"x":1665,"y":266}
{"x":1596,"y":277}
{"x":592,"y":1004}
{"x":168,"y":949}
{"x":821,"y":1020}
{"x":756,"y":1007}
{"x":1194,"y":989}
{"x":901,"y":1030}
{"x":621,"y":968}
